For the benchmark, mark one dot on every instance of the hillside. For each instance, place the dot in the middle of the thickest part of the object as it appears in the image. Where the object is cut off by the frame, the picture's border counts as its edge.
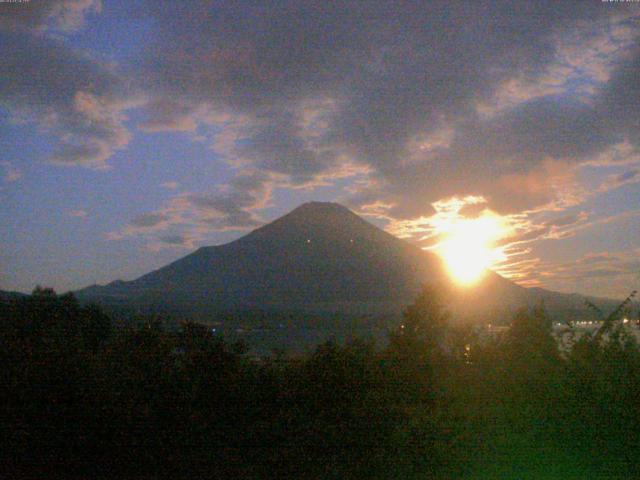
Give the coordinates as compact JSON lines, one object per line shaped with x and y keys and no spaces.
{"x":319,"y":258}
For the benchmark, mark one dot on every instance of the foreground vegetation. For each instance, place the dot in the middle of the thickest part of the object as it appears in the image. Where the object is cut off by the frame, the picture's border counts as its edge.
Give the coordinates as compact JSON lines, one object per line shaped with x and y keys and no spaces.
{"x":84,"y":399}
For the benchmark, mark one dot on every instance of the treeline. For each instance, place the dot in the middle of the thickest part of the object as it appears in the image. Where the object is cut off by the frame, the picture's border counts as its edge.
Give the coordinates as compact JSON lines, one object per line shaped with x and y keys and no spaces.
{"x":85,"y":399}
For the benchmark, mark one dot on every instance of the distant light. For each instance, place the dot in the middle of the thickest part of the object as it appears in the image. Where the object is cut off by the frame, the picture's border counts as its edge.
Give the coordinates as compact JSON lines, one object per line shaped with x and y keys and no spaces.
{"x":351,"y":240}
{"x":626,"y":320}
{"x":468,"y":246}
{"x":308,"y":240}
{"x":213,"y":330}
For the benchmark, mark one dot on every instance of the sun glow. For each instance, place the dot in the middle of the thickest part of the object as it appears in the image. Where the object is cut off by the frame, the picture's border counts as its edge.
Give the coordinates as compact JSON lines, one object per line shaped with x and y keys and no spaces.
{"x":469,"y":246}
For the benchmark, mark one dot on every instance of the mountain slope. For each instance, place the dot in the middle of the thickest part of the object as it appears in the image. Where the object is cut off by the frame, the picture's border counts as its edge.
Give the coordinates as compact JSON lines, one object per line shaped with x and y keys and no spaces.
{"x":319,"y":257}
{"x":6,"y":296}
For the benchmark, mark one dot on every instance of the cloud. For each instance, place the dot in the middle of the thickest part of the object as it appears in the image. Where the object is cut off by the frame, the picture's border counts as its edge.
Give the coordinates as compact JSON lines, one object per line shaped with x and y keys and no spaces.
{"x":619,"y":154}
{"x":189,"y":217}
{"x":567,"y":220}
{"x":398,"y":101}
{"x":66,"y":94}
{"x":149,"y":220}
{"x":625,"y":216}
{"x":302,"y":89}
{"x":619,"y":101}
{"x":234,"y":206}
{"x":180,"y":241}
{"x":602,"y":273}
{"x":173,"y":239}
{"x":618,"y":180}
{"x":12,"y":173}
{"x":34,"y":16}
{"x":583,"y":62}
{"x":78,"y":213}
{"x":166,"y":115}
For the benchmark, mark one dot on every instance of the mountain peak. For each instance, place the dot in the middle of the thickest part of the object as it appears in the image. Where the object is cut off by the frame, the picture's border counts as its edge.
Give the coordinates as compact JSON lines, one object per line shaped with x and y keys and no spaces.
{"x":326,"y":219}
{"x":321,"y":209}
{"x":321,"y":206}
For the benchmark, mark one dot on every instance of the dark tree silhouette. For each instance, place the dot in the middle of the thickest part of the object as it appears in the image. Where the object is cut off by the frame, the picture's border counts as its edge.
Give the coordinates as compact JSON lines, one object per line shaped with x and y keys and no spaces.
{"x":84,"y":399}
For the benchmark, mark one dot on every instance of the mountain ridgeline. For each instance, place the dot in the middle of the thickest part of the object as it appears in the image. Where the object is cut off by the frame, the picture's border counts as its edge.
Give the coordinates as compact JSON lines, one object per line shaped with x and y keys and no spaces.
{"x":319,"y":258}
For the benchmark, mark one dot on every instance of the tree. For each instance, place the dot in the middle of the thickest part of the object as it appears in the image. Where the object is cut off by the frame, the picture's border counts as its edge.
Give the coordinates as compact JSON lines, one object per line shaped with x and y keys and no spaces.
{"x":421,"y":335}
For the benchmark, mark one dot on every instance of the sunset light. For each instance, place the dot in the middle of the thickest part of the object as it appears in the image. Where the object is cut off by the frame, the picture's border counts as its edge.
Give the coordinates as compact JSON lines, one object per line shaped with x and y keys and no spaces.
{"x":469,"y":246}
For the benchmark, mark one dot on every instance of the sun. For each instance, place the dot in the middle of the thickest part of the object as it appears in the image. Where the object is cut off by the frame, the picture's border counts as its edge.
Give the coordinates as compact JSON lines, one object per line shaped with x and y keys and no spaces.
{"x":469,"y":246}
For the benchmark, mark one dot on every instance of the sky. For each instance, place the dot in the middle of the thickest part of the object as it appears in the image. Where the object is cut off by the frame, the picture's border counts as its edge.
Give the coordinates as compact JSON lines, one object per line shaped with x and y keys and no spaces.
{"x":133,"y":132}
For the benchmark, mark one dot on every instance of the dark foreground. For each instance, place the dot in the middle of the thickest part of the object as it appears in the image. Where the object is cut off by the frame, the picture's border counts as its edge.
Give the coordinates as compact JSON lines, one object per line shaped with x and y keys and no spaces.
{"x":84,"y":399}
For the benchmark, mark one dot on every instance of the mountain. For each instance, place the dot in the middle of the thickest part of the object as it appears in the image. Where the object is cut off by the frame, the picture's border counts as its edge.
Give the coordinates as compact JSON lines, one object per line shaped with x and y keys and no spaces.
{"x":6,"y":296}
{"x":321,"y":257}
